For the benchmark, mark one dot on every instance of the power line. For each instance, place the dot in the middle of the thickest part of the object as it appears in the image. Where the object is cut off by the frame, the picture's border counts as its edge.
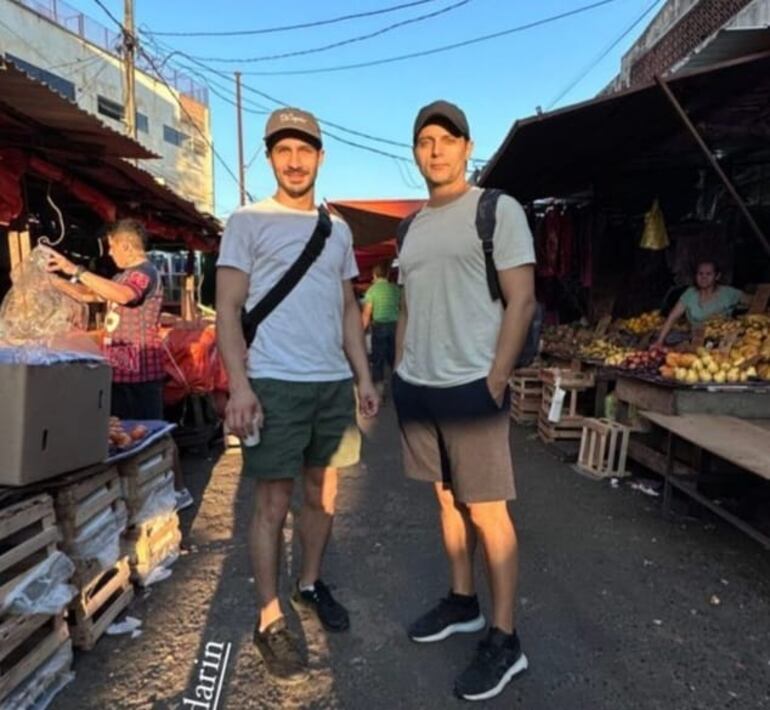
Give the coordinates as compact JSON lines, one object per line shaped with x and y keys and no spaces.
{"x":434,"y":50}
{"x":582,"y":75}
{"x":286,"y":28}
{"x":341,"y":43}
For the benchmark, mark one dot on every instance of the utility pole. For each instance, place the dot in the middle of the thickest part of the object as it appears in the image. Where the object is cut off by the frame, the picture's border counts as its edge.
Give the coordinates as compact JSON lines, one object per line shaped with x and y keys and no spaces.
{"x":129,"y":55}
{"x":241,"y":167}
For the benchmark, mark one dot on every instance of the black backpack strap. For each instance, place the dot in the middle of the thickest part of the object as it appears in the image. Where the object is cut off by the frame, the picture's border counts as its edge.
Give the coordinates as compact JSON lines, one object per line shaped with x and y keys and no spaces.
{"x":403,"y":228}
{"x":270,"y":301}
{"x":486,"y":220}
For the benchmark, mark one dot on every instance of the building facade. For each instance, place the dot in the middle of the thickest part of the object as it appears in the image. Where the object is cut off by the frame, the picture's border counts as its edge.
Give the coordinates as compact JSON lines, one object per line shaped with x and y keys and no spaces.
{"x":80,"y":58}
{"x":694,"y":33}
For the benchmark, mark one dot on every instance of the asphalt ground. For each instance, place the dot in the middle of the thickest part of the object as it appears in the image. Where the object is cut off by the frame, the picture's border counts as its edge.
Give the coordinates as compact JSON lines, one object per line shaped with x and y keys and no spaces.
{"x":620,"y":607}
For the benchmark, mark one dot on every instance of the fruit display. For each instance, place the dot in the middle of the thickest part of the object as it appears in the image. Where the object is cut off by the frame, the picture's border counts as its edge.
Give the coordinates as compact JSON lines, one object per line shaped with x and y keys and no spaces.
{"x":122,"y":439}
{"x":708,"y":367}
{"x":643,"y":323}
{"x":718,"y":328}
{"x":641,"y":361}
{"x":564,"y":340}
{"x":603,"y":349}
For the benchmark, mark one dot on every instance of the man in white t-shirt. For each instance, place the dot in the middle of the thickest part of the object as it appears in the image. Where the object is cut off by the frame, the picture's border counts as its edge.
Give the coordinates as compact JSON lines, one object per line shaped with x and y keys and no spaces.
{"x":456,"y":348}
{"x":295,"y":385}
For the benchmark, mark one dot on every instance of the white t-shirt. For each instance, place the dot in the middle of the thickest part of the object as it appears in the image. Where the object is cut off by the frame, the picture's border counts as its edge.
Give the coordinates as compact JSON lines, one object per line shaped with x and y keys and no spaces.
{"x":301,"y":340}
{"x":453,"y":324}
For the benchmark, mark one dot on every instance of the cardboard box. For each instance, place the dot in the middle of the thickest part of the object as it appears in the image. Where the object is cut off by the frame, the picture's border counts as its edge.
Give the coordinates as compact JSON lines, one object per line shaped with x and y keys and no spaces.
{"x":53,"y":419}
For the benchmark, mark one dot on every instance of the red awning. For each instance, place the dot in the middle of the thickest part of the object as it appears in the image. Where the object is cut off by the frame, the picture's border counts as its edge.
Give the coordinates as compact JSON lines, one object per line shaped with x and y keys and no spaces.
{"x":374,"y":221}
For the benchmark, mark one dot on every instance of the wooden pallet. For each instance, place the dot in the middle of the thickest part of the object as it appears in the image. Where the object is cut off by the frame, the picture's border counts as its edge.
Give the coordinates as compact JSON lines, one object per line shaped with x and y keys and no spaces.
{"x":141,"y":473}
{"x":148,"y":544}
{"x":28,"y":535}
{"x":26,"y":643}
{"x":526,"y":395}
{"x":99,"y":602}
{"x":604,"y":448}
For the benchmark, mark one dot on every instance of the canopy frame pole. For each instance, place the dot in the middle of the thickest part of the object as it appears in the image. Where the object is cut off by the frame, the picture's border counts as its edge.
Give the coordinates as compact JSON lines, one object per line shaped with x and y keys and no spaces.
{"x":755,"y":228}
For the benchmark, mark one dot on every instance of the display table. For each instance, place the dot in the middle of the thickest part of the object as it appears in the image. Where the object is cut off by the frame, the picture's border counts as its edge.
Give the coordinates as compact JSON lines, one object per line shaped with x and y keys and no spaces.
{"x":750,"y":401}
{"x":746,"y":444}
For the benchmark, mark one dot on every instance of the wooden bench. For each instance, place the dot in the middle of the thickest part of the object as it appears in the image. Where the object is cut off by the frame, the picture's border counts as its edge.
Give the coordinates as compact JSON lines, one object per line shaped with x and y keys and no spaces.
{"x":743,"y":443}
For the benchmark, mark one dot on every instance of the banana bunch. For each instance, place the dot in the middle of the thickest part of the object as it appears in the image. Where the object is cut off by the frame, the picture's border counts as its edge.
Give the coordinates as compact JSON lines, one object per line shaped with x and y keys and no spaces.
{"x":643,"y":323}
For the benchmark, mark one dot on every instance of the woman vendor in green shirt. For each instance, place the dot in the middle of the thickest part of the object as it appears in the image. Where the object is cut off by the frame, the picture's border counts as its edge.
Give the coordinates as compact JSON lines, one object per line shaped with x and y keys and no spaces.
{"x":705,"y":300}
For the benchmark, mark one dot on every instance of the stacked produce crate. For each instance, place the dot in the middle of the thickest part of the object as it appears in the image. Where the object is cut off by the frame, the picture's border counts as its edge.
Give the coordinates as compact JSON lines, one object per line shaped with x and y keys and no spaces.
{"x":153,"y":537}
{"x":35,"y":649}
{"x":569,"y":424}
{"x":92,"y":516}
{"x":526,"y":395}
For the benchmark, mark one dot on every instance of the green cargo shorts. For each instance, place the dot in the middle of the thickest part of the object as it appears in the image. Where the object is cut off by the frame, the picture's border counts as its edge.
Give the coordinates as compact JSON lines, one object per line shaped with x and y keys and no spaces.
{"x":306,"y":424}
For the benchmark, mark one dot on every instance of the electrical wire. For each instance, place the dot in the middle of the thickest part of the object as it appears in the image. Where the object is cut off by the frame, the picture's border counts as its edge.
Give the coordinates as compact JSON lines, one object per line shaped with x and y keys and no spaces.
{"x":434,"y":50}
{"x":304,"y":25}
{"x":588,"y":69}
{"x":340,"y":43}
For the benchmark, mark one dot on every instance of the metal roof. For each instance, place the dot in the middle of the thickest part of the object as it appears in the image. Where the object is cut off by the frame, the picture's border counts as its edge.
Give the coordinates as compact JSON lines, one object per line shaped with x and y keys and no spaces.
{"x":636,"y":131}
{"x":31,"y":114}
{"x":727,"y":45}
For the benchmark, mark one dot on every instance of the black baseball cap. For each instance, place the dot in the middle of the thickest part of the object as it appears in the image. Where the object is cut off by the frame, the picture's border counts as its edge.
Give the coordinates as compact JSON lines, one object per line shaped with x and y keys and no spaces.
{"x":445,"y":112}
{"x":292,"y":122}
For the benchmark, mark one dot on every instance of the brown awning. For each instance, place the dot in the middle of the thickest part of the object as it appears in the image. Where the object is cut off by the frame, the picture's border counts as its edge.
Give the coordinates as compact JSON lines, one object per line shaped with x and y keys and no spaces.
{"x":373,"y":221}
{"x":32,"y":115}
{"x":565,"y":152}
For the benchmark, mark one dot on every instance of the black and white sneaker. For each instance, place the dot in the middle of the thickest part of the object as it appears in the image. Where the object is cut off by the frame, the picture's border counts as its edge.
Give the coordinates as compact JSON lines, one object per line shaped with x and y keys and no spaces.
{"x":455,"y":614}
{"x":498,"y":660}
{"x":280,"y":653}
{"x":332,"y":615}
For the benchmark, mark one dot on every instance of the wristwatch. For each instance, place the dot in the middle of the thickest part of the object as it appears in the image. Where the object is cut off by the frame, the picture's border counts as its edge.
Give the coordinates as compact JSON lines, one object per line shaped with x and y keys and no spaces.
{"x":79,"y":271}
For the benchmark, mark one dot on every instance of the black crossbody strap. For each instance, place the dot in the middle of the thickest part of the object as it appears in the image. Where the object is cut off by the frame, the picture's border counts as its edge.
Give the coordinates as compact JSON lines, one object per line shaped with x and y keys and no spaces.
{"x":270,"y":301}
{"x":403,"y":228}
{"x":486,"y":220}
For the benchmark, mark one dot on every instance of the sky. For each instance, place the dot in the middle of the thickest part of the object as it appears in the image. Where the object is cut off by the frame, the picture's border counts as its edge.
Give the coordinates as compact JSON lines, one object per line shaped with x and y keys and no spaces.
{"x":495,"y":81}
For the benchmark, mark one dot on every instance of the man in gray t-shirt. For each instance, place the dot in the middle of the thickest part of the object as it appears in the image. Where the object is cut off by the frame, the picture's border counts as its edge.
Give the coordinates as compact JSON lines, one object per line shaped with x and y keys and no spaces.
{"x":456,"y":348}
{"x":293,"y":385}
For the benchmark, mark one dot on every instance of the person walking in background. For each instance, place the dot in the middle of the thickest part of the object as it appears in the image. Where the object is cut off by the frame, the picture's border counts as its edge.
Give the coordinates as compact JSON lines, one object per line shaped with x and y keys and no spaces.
{"x":380,"y":311}
{"x":456,"y":348}
{"x":292,"y":383}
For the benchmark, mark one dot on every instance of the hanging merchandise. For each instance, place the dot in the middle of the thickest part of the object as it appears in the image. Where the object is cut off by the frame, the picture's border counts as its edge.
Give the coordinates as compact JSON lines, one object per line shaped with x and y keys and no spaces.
{"x":655,"y":235}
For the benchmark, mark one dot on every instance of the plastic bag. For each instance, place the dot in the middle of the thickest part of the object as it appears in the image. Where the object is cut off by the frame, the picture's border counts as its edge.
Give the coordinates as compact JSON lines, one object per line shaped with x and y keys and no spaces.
{"x":34,"y":310}
{"x":44,"y":589}
{"x":655,"y":234}
{"x":38,"y":692}
{"x":99,"y":539}
{"x":160,"y":501}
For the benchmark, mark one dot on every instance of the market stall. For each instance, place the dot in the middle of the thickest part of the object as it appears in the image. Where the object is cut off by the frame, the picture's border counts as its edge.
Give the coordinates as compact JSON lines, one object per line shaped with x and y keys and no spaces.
{"x":627,"y":194}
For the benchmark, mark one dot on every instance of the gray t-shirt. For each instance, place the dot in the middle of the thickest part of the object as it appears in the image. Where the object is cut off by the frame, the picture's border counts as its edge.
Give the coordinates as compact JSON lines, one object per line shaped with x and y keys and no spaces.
{"x":453,"y":325}
{"x":301,"y":340}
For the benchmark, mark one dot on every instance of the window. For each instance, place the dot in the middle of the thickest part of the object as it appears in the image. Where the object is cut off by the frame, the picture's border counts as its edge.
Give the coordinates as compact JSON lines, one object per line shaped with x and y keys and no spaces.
{"x":57,"y":83}
{"x":142,"y":123}
{"x":171,"y":135}
{"x":109,"y":108}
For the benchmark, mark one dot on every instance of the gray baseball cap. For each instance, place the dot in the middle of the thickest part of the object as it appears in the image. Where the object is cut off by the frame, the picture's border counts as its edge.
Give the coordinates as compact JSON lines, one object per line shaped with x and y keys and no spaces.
{"x":442,"y":110}
{"x":292,"y":121}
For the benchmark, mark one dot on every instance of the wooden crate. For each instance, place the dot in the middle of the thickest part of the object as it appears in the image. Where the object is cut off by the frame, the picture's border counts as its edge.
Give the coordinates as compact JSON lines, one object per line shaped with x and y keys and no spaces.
{"x":569,"y":378}
{"x":604,"y":448}
{"x":148,"y":544}
{"x":99,"y":602}
{"x":28,"y":535}
{"x":570,"y":426}
{"x":140,"y":474}
{"x":77,"y":505}
{"x":526,"y":395}
{"x":26,"y":643}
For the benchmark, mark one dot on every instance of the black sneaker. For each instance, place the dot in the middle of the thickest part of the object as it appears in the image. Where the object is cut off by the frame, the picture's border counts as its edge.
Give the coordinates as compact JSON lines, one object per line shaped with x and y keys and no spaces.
{"x":498,"y":659}
{"x":455,"y":614}
{"x":332,"y":615}
{"x":280,"y":652}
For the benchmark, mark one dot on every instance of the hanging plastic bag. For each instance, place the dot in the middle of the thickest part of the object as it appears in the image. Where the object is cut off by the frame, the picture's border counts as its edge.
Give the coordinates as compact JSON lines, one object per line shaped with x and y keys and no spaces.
{"x":655,"y":234}
{"x":34,"y":310}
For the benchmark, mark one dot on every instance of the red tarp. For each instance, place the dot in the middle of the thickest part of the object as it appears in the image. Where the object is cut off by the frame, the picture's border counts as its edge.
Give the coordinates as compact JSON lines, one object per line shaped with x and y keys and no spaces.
{"x":12,"y":164}
{"x":374,"y":221}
